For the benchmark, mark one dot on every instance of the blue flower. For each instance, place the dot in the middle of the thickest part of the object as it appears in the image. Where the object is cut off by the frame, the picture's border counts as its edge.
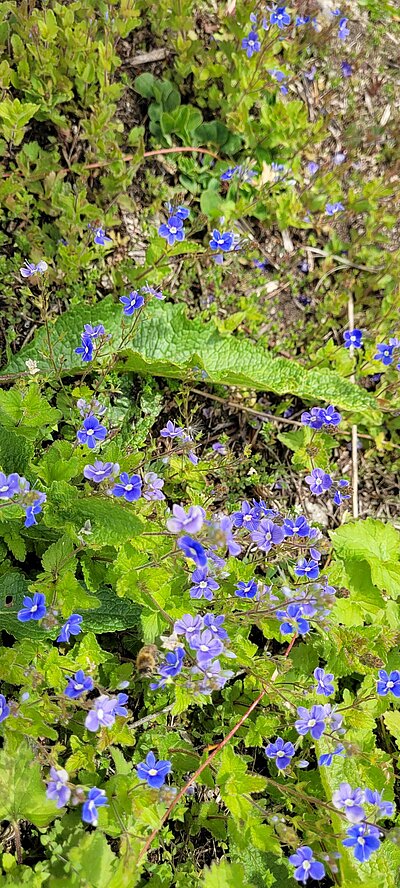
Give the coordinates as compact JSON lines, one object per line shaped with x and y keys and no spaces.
{"x":171,"y":666}
{"x":153,"y":771}
{"x":231,"y":171}
{"x":310,"y":721}
{"x":388,"y":683}
{"x":294,"y":621}
{"x":58,"y":790}
{"x":324,"y":682}
{"x":364,"y":840}
{"x":302,"y":19}
{"x":172,"y":230}
{"x":353,"y":338}
{"x":343,"y":31}
{"x":9,"y":485}
{"x":268,"y":534}
{"x":128,"y":486}
{"x":119,"y":705}
{"x":191,"y":522}
{"x":132,"y":302}
{"x":151,"y":291}
{"x":188,"y":625}
{"x":330,"y":416}
{"x":214,"y":624}
{"x":204,"y":586}
{"x":280,"y":751}
{"x":346,"y":69}
{"x":86,"y":349}
{"x":222,"y":240}
{"x":193,"y":550}
{"x":251,"y":44}
{"x":94,"y":332}
{"x":306,"y":865}
{"x":171,"y":430}
{"x":206,"y":645}
{"x":349,"y":801}
{"x":327,"y":757}
{"x":154,"y":485}
{"x":373,"y":797}
{"x":102,"y":715}
{"x":4,"y":708}
{"x":99,"y":471}
{"x":33,"y":609}
{"x":248,"y":517}
{"x":72,"y":626}
{"x":91,"y":432}
{"x":100,"y":237}
{"x":318,"y":481}
{"x":280,"y":17}
{"x":299,"y":527}
{"x":313,"y":418}
{"x":384,"y":353}
{"x":96,"y":798}
{"x":182,"y":212}
{"x":29,"y":269}
{"x":34,"y":508}
{"x":306,"y":568}
{"x":332,"y":208}
{"x":78,"y":684}
{"x":279,"y":76}
{"x":312,"y":167}
{"x":246,"y":590}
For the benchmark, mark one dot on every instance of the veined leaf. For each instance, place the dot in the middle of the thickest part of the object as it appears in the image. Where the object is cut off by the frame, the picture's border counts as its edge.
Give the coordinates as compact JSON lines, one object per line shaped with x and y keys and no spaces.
{"x":167,"y":343}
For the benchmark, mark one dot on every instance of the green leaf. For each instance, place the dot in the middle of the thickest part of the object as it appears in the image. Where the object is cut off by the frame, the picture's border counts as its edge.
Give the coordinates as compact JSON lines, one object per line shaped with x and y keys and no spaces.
{"x":27,"y":412}
{"x":22,"y":791}
{"x":114,"y":614}
{"x":13,"y":587}
{"x":144,"y":85}
{"x":363,"y":539}
{"x":93,"y":859}
{"x":392,"y":722}
{"x":168,"y":344}
{"x":226,"y":875}
{"x":15,"y":452}
{"x":111,"y":522}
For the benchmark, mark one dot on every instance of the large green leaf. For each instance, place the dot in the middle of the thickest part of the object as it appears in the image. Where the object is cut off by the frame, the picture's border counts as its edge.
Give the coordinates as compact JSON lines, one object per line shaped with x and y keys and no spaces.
{"x":373,"y":542}
{"x":22,"y":791}
{"x":111,"y":521}
{"x":114,"y":614}
{"x":223,"y":874}
{"x":167,"y":343}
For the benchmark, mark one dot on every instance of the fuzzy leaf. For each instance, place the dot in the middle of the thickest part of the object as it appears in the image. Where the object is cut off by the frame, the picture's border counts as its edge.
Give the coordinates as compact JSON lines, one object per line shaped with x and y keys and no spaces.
{"x":169,"y":344}
{"x":22,"y":791}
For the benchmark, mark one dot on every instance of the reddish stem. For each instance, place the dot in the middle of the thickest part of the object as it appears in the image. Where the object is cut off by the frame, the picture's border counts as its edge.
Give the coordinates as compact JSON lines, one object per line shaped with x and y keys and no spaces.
{"x":127,"y":157}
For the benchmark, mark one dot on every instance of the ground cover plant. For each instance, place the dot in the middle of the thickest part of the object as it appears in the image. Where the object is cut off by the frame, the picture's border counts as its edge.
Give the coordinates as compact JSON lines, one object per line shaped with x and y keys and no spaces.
{"x":199,"y":444}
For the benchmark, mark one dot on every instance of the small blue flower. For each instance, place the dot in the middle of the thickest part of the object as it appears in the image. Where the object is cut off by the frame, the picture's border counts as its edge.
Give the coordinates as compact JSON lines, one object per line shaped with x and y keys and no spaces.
{"x":332,"y":208}
{"x":319,"y":481}
{"x":172,"y":230}
{"x":204,"y":586}
{"x":132,"y":302}
{"x":91,"y":432}
{"x":151,"y":291}
{"x":302,"y":20}
{"x":388,"y":683}
{"x":33,"y":609}
{"x":294,"y":621}
{"x":251,"y":44}
{"x":193,"y":550}
{"x":343,"y":31}
{"x":4,"y":708}
{"x":78,"y":684}
{"x":373,"y":797}
{"x":171,"y":666}
{"x":384,"y":353}
{"x":72,"y":626}
{"x":153,"y":771}
{"x":119,"y":705}
{"x":189,"y":522}
{"x":29,"y":269}
{"x":324,"y":682}
{"x":346,"y":69}
{"x":248,"y":517}
{"x":311,"y":721}
{"x":313,"y":418}
{"x":312,"y":168}
{"x":9,"y":485}
{"x":222,"y":240}
{"x":57,"y":788}
{"x":214,"y":624}
{"x":99,"y":471}
{"x":100,"y":237}
{"x":280,"y":17}
{"x":34,"y":508}
{"x":280,"y":751}
{"x":306,"y":867}
{"x":182,"y":212}
{"x":171,"y":430}
{"x":188,"y":625}
{"x":96,"y":798}
{"x":330,"y":416}
{"x":268,"y":534}
{"x":364,"y":840}
{"x":306,"y":568}
{"x":327,"y":757}
{"x":128,"y":486}
{"x":94,"y":332}
{"x":353,"y":338}
{"x":246,"y":589}
{"x":207,"y":646}
{"x":349,"y":801}
{"x":299,"y":527}
{"x":86,"y":349}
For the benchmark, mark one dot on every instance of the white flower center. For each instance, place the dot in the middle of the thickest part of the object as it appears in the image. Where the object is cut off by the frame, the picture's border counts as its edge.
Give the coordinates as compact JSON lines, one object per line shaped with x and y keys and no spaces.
{"x":3,"y":489}
{"x":349,"y":803}
{"x":311,"y":723}
{"x":173,"y":230}
{"x":34,"y":608}
{"x":100,"y":713}
{"x":129,"y":487}
{"x":203,"y":584}
{"x":152,"y":772}
{"x":204,"y":647}
{"x":306,"y":865}
{"x":360,"y":840}
{"x":59,"y":785}
{"x":390,"y":684}
{"x":78,"y":687}
{"x":90,"y":431}
{"x":280,"y":754}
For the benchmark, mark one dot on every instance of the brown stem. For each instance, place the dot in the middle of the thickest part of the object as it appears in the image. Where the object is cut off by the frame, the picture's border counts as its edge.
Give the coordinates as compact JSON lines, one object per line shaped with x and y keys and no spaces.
{"x":17,"y":841}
